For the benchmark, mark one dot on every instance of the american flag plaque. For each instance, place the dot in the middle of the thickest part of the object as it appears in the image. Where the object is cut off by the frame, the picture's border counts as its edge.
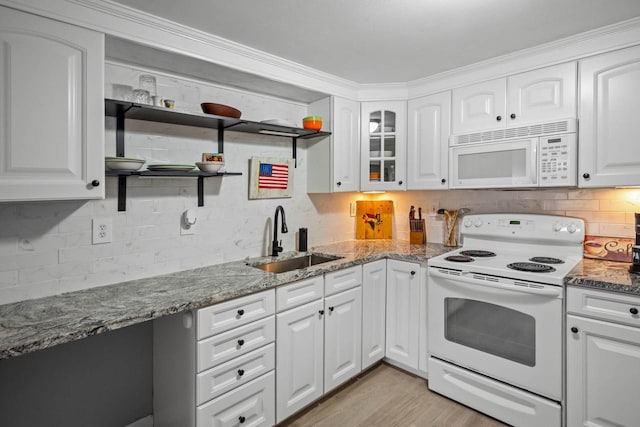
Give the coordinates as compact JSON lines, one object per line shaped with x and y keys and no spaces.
{"x":271,"y":178}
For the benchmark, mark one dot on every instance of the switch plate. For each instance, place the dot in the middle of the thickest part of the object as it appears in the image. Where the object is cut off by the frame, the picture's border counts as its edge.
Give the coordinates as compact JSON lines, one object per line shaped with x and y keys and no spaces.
{"x":352,"y":209}
{"x":102,"y":228}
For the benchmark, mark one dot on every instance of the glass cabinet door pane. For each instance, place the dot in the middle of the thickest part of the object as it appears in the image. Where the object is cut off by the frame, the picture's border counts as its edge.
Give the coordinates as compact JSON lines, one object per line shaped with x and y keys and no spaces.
{"x":492,"y":329}
{"x":389,"y":149}
{"x":375,"y":122}
{"x":374,"y":170}
{"x":375,"y":146}
{"x":389,"y":173}
{"x":389,"y":124}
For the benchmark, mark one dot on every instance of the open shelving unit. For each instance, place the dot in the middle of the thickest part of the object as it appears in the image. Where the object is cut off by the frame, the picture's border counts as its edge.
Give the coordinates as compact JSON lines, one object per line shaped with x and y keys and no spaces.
{"x":122,"y":110}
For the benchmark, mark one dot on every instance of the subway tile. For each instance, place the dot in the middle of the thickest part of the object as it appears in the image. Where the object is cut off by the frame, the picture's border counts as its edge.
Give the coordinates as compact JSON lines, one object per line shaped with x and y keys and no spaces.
{"x":44,"y":273}
{"x":571,"y":205}
{"x":617,"y":230}
{"x":89,"y":253}
{"x":28,"y":259}
{"x":8,"y":278}
{"x":25,"y":291}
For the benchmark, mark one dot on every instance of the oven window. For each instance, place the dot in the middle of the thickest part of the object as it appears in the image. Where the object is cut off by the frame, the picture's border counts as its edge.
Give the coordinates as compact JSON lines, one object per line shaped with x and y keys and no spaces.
{"x":491,"y":328}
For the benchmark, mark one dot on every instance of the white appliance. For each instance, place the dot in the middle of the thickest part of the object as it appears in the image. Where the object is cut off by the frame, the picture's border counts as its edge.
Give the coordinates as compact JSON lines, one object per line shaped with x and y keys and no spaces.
{"x":496,"y":319}
{"x":515,"y":162}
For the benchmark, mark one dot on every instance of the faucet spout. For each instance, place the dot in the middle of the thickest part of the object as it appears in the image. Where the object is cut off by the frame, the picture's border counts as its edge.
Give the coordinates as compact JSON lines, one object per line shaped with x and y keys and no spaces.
{"x":275,"y":245}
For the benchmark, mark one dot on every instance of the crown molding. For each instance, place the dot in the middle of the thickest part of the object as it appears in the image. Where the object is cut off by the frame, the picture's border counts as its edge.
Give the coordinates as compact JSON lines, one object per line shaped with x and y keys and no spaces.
{"x":140,"y":27}
{"x":593,"y":42}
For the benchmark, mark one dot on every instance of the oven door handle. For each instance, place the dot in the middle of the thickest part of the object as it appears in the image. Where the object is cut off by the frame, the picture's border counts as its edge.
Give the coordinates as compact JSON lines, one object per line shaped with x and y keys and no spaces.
{"x":546,"y":291}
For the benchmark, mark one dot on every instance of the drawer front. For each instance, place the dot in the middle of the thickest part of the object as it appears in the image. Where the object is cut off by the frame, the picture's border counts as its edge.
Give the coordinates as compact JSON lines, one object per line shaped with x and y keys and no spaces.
{"x":299,"y":293}
{"x":251,"y":404}
{"x":604,"y":305}
{"x":227,"y":345}
{"x":238,"y":371}
{"x":338,"y":281}
{"x":230,"y":314}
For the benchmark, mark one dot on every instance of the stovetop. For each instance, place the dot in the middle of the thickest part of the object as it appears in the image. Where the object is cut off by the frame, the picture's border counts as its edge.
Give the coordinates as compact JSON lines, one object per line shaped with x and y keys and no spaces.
{"x":537,"y":248}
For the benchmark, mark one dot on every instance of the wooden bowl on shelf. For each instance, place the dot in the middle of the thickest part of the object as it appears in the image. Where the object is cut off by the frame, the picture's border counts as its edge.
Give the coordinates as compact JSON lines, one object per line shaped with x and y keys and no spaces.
{"x":220,"y":110}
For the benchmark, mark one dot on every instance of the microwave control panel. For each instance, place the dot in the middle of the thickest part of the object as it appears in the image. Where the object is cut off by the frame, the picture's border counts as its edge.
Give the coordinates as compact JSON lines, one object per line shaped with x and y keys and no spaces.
{"x":558,"y":160}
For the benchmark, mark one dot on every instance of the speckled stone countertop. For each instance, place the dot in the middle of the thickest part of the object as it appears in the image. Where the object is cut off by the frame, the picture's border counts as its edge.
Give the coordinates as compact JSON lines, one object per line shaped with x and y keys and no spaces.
{"x":604,"y":275}
{"x":33,"y":325}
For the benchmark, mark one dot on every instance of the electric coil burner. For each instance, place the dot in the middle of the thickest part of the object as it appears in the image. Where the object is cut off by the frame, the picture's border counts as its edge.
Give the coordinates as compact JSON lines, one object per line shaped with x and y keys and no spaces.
{"x":546,"y":260}
{"x":532,"y":267}
{"x":459,"y":258}
{"x":478,"y":253}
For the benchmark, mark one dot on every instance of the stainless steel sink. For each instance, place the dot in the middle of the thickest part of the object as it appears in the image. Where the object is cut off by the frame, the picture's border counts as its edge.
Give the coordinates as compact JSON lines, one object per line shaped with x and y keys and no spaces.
{"x":282,"y":266}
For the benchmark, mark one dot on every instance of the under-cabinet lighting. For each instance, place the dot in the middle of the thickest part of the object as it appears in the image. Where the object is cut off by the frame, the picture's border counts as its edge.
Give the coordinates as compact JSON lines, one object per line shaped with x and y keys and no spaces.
{"x":278,"y":133}
{"x":374,"y":192}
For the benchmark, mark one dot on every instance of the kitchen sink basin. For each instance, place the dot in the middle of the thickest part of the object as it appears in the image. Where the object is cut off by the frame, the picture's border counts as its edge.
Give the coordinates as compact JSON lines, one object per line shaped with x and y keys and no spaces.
{"x":290,"y":264}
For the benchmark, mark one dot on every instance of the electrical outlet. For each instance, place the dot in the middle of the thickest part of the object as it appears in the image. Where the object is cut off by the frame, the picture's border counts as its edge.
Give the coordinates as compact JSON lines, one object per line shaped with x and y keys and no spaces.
{"x":102,"y":230}
{"x":352,"y":209}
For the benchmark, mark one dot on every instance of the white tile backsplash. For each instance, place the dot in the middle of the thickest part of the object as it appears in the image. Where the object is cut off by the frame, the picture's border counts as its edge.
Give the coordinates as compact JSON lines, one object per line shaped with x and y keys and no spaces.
{"x":45,"y":248}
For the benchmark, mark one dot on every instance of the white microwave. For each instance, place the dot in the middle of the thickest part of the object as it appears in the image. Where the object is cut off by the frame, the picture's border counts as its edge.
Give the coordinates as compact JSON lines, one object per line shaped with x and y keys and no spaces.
{"x":544,"y":161}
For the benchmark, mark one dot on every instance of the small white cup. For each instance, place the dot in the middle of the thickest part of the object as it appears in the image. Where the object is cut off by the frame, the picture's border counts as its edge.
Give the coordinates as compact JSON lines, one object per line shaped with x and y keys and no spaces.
{"x":157,"y":101}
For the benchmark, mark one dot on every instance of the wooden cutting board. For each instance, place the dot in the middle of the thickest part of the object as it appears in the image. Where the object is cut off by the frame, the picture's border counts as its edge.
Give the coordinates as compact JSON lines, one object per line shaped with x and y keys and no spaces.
{"x":374,"y":219}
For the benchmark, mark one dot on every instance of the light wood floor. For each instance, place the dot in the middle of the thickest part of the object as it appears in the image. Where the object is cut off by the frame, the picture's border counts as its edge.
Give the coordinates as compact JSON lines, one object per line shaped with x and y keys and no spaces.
{"x":386,"y":396}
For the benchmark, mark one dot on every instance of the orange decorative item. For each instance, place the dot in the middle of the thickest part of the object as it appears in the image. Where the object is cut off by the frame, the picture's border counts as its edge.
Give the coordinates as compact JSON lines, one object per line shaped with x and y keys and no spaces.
{"x":312,"y":122}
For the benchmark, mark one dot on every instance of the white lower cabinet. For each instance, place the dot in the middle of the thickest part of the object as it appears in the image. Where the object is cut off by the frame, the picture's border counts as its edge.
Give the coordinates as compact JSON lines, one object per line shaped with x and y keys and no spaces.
{"x":249,"y":405}
{"x":299,"y":354}
{"x":374,"y":297}
{"x":603,"y":359}
{"x":204,"y":377}
{"x":343,"y":345}
{"x":403,"y":313}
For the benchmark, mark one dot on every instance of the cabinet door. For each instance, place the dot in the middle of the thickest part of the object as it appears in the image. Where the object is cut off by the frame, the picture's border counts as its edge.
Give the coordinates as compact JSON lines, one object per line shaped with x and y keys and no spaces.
{"x":542,"y":95}
{"x":403,"y":301}
{"x":383,"y":148}
{"x":334,"y":162}
{"x":609,"y":125}
{"x":603,"y":370}
{"x":374,"y":295}
{"x":479,"y":107}
{"x":52,"y":109}
{"x":299,"y":357}
{"x":343,"y":337}
{"x":429,"y":120}
{"x":346,"y":145}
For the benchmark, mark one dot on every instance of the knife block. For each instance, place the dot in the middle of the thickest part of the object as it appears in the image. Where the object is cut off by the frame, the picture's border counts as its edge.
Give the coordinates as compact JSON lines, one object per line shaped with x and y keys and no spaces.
{"x":417,"y":232}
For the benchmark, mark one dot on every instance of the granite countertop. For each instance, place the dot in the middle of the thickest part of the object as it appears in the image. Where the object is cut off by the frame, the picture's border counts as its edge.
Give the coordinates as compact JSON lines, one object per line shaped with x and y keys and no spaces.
{"x":604,"y":275}
{"x":32,"y":325}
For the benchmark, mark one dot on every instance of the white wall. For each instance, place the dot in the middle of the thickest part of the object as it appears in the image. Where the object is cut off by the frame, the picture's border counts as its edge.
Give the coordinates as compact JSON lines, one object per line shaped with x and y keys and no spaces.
{"x":45,"y":248}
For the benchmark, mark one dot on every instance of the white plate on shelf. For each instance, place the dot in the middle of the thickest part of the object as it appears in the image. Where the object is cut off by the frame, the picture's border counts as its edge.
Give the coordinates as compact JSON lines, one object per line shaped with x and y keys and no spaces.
{"x":176,"y":167}
{"x":279,"y":122}
{"x":122,"y":164}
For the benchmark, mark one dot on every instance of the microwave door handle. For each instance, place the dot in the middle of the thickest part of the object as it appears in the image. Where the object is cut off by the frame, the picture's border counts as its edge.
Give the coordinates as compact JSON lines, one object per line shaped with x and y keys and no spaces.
{"x":548,"y":292}
{"x":534,"y":162}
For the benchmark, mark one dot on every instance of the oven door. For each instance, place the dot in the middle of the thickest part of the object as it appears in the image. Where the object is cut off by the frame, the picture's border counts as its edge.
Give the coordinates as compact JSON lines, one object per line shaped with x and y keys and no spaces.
{"x":507,"y":329}
{"x":503,"y":164}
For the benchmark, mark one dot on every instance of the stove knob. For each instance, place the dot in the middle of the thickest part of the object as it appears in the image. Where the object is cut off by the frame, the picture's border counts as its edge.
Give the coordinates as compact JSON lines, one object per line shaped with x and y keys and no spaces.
{"x":477,"y":223}
{"x":572,"y":228}
{"x":557,"y":226}
{"x":468,"y":223}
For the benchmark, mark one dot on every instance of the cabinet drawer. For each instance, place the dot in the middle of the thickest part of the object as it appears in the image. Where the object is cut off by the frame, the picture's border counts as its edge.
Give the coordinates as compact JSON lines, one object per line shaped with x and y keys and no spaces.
{"x":238,"y":371}
{"x":604,"y":305}
{"x":251,"y":404}
{"x":230,"y":314}
{"x":239,"y":341}
{"x":299,"y":293}
{"x":338,"y":281}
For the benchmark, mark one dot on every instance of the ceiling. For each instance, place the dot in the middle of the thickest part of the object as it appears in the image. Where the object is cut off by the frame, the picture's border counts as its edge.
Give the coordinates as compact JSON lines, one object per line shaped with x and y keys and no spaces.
{"x":387,"y":41}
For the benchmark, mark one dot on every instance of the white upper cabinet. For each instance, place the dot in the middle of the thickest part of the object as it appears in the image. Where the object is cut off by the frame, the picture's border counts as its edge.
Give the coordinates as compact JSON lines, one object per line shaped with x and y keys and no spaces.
{"x":536,"y":96}
{"x":609,"y":119}
{"x":51,"y":109}
{"x":383,"y":148}
{"x":429,"y":122}
{"x":334,"y":165}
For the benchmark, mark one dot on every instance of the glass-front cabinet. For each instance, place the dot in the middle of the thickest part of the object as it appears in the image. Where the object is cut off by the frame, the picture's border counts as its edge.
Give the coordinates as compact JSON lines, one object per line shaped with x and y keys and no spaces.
{"x":384,"y":130}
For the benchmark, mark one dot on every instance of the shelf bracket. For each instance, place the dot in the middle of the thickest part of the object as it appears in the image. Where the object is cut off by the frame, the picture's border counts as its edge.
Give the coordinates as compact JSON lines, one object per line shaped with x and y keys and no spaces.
{"x":294,"y":149}
{"x":122,"y":193}
{"x":200,"y":191}
{"x":220,"y":140}
{"x":122,"y":180}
